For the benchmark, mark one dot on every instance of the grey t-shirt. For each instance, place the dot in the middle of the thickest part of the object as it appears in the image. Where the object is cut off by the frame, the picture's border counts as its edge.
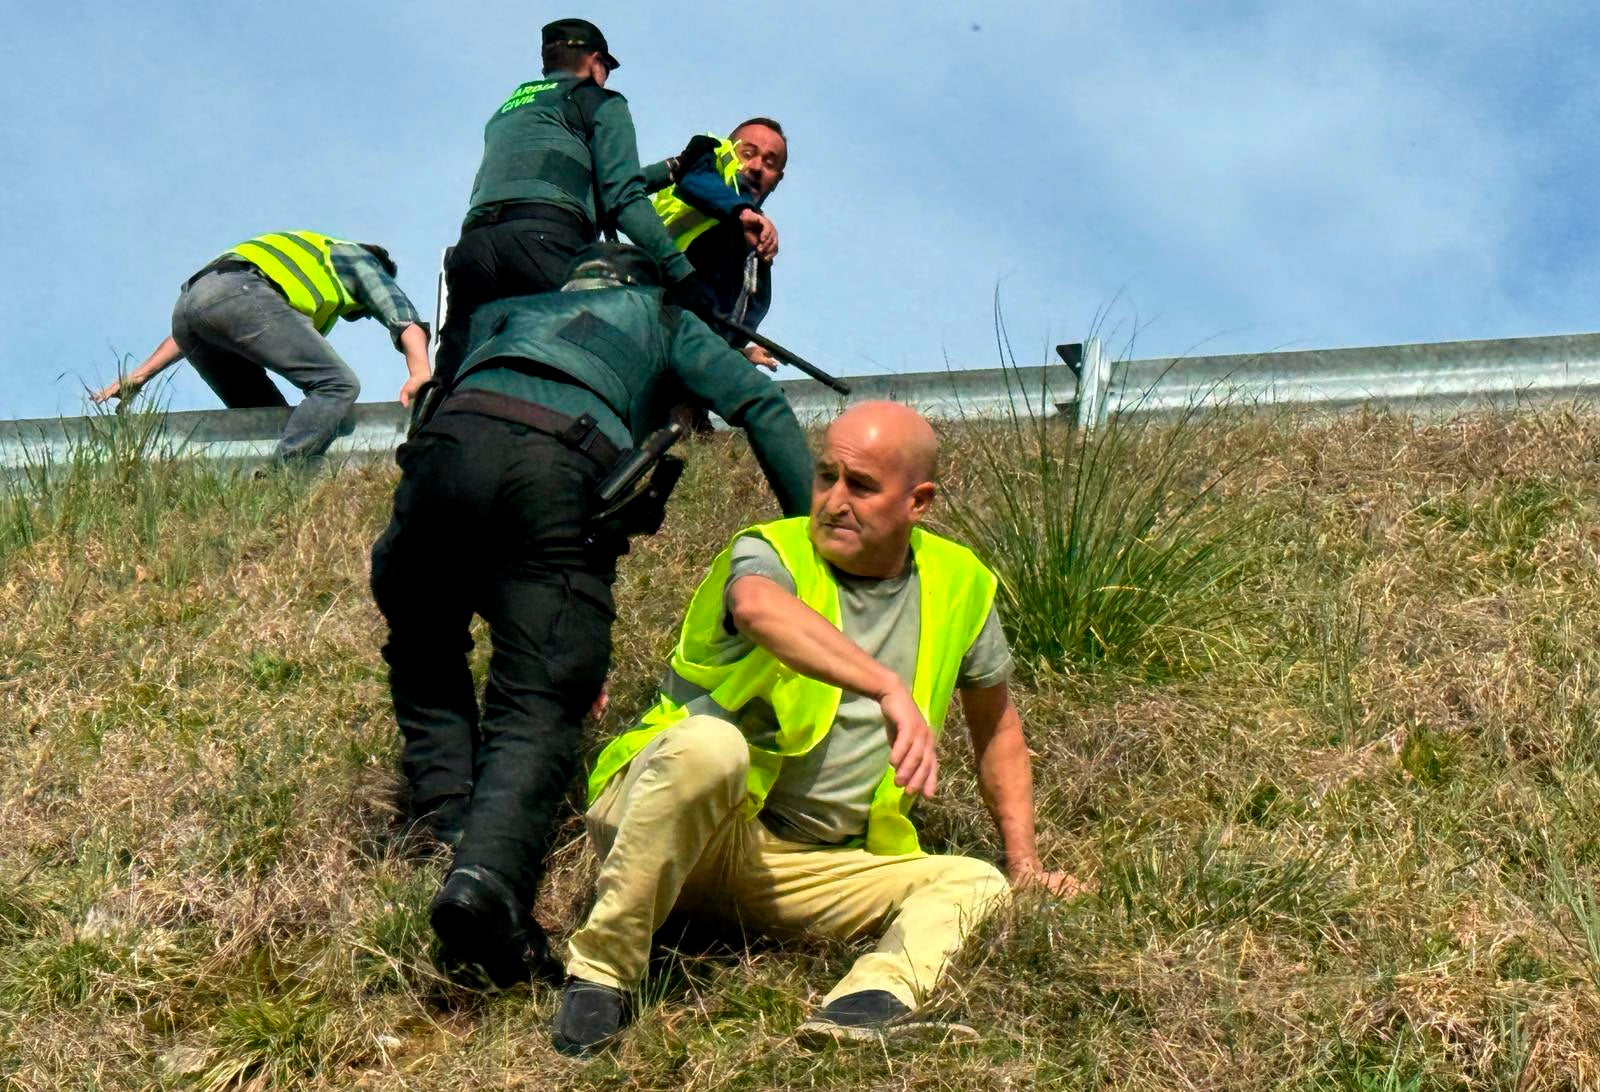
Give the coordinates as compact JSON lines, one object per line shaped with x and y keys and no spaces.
{"x":823,"y":796}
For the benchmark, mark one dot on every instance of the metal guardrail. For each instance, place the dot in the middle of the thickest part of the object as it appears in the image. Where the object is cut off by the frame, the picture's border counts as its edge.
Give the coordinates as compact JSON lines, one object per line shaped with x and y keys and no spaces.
{"x":1431,"y":377}
{"x":1434,"y":378}
{"x":376,"y":428}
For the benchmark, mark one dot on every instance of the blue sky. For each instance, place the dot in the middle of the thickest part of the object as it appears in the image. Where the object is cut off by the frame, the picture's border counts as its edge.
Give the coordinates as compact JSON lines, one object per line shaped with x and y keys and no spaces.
{"x":1218,"y":177}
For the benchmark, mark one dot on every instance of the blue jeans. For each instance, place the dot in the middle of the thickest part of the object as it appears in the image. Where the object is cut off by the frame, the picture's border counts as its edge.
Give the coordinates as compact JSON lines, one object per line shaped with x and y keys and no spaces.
{"x":235,"y":327}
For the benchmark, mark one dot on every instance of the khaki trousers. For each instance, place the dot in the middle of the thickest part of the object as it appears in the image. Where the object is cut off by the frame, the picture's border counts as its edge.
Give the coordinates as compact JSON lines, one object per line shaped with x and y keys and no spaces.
{"x":669,"y":835}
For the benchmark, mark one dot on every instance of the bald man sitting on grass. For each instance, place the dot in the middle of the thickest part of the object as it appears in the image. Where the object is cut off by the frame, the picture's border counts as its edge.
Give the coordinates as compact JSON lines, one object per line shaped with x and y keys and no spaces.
{"x":769,"y":787}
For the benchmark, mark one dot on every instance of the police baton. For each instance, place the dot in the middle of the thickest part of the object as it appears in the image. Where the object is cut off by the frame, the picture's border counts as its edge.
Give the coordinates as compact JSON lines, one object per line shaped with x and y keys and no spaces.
{"x":781,"y":353}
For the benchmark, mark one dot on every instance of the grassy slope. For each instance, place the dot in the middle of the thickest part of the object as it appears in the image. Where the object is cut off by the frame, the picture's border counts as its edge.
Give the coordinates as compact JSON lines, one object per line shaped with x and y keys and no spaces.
{"x":1355,"y":851}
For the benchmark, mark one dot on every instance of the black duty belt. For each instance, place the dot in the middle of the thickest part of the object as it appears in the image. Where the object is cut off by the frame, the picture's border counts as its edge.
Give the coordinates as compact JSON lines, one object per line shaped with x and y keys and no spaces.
{"x":579,"y":433}
{"x":553,"y":216}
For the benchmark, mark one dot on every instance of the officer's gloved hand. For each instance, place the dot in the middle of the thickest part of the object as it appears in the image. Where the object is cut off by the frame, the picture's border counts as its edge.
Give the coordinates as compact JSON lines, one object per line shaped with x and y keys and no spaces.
{"x":699,"y":145}
{"x":692,"y":293}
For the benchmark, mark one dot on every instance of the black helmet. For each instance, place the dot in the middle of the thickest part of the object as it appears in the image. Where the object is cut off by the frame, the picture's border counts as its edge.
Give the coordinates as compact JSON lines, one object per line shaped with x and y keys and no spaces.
{"x":623,"y":263}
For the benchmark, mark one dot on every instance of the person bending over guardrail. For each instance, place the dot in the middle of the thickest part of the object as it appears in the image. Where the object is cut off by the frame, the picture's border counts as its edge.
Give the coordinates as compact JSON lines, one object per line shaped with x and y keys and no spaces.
{"x":267,"y":305}
{"x":770,"y":786}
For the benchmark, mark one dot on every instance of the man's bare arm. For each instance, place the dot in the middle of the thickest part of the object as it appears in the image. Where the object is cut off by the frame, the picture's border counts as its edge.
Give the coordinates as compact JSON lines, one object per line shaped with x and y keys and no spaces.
{"x":1005,"y":778}
{"x":808,"y":643}
{"x":414,"y":347}
{"x":160,"y":359}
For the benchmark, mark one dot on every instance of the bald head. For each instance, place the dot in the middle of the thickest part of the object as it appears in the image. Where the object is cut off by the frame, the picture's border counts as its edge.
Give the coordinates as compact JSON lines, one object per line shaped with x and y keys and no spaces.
{"x":874,"y":484}
{"x":893,"y":431}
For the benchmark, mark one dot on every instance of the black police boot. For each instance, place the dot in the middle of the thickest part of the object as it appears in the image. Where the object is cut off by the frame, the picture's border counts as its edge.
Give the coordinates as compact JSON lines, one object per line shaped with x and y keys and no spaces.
{"x":590,"y":1018}
{"x":479,"y":920}
{"x":875,"y":1015}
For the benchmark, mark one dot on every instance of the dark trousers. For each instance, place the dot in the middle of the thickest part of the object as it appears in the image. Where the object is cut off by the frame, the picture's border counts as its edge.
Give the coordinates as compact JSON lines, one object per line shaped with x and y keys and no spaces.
{"x":489,"y":519}
{"x":498,"y":261}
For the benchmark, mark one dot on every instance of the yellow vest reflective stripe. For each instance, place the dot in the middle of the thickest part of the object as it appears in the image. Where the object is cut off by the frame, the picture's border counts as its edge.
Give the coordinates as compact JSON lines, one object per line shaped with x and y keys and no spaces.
{"x":956,"y":594}
{"x":683,"y":221}
{"x":300,"y":263}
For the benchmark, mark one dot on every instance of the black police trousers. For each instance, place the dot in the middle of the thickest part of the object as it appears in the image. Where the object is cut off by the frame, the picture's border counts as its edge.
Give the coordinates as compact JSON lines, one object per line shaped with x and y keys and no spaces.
{"x":490,"y":519}
{"x":518,"y":257}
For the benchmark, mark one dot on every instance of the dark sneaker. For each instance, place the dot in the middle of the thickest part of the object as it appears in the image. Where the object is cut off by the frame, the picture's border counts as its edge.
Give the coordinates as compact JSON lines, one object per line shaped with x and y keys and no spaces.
{"x":480,"y":921}
{"x":589,"y":1020}
{"x":876,"y":1015}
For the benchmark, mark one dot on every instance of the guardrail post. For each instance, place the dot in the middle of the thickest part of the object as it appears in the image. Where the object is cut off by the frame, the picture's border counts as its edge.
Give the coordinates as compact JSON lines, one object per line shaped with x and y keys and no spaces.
{"x":1094,"y":376}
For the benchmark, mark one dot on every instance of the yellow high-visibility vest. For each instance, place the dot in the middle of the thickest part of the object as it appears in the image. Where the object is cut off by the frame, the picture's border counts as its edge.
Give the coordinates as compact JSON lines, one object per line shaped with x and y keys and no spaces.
{"x":683,"y":221}
{"x":300,"y":263}
{"x":956,"y":594}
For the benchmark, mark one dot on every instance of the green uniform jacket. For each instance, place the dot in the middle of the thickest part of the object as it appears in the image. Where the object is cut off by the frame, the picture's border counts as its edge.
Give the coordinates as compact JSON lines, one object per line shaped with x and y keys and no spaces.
{"x":623,"y":357}
{"x":532,"y":152}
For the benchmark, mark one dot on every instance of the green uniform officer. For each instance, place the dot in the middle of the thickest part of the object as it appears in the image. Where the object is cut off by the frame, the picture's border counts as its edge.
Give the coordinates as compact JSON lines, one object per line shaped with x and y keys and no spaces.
{"x":560,"y":165}
{"x":496,"y":514}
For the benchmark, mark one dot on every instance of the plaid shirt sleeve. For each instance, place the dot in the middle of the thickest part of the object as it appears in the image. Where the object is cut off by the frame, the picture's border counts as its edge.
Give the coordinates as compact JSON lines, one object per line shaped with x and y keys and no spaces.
{"x":374,"y":289}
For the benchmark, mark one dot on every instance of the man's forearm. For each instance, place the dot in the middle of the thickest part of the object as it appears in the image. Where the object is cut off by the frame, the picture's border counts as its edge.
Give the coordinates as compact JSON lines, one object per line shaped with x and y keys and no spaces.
{"x":414,"y":345}
{"x":639,"y":222}
{"x":803,"y":640}
{"x":807,"y":643}
{"x":780,"y":447}
{"x":704,"y":189}
{"x":1005,"y":772}
{"x":658,"y":176}
{"x":160,"y":359}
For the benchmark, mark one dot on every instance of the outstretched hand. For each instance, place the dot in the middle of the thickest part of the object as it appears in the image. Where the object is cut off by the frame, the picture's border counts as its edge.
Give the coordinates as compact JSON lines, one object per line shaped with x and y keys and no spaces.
{"x":913,"y":750}
{"x":124,"y":389}
{"x":1033,"y":874}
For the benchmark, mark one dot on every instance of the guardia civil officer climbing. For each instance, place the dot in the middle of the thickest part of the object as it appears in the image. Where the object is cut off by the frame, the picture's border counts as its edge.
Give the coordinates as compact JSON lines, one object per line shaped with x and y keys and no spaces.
{"x":503,"y":510}
{"x":560,"y":168}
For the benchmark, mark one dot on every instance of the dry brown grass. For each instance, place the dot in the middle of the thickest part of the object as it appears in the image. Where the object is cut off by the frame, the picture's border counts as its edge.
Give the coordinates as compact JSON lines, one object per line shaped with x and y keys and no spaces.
{"x":1353,"y":849}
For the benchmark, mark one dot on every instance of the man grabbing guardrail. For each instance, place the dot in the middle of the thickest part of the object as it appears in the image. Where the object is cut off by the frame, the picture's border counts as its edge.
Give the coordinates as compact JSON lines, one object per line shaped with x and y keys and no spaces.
{"x":267,"y":305}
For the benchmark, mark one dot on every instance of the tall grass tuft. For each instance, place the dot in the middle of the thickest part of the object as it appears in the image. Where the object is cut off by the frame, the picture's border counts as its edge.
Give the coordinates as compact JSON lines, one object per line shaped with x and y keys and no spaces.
{"x":1577,"y":897}
{"x":122,"y":466}
{"x":1107,"y":543}
{"x":278,"y":1042}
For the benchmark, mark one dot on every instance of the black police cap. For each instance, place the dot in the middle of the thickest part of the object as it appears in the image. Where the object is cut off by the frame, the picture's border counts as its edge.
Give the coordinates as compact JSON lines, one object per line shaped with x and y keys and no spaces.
{"x":580,"y":34}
